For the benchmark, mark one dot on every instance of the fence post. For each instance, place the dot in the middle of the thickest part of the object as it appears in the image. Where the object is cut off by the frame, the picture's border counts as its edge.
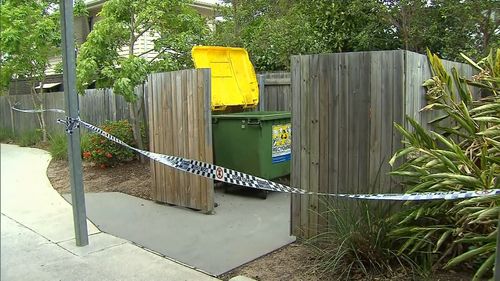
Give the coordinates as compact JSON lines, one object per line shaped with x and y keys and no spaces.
{"x":262,"y":82}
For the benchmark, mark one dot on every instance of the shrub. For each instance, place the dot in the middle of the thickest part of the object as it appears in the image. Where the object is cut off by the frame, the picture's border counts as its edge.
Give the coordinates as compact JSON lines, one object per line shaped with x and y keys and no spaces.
{"x":29,"y":138}
{"x":104,"y":152}
{"x":6,"y":135}
{"x":58,"y":146}
{"x":356,"y":241}
{"x":461,"y":154}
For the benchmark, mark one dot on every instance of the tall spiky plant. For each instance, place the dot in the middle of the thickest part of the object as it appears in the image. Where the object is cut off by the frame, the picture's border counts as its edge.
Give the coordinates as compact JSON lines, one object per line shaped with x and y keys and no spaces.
{"x":462,"y":152}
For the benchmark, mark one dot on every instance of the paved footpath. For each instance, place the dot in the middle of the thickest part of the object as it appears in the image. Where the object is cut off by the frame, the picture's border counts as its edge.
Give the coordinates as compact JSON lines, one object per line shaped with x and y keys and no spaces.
{"x":37,"y":236}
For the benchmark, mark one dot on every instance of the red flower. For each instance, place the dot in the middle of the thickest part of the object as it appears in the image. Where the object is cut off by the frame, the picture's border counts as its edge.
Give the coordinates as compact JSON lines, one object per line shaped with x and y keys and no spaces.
{"x":86,"y":155}
{"x":108,"y":155}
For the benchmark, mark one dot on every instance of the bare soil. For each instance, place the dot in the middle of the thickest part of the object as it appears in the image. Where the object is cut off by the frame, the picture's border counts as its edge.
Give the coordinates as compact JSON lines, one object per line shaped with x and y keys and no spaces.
{"x":132,"y":178}
{"x":292,"y":262}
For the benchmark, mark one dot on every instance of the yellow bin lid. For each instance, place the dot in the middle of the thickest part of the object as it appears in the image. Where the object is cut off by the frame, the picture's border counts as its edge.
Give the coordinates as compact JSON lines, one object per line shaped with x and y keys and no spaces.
{"x":234,"y":83}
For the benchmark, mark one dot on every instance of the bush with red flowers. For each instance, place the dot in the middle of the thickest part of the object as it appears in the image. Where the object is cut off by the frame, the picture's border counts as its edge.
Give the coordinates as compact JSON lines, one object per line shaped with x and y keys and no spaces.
{"x":105,"y":153}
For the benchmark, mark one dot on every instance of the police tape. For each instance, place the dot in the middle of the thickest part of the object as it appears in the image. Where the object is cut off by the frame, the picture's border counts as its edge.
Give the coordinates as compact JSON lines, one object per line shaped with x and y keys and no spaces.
{"x":39,"y":110}
{"x":238,"y":178}
{"x":230,"y":176}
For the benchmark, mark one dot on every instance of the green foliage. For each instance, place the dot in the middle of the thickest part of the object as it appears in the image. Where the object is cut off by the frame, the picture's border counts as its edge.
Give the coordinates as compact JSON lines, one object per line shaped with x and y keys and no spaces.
{"x":6,"y":135}
{"x":28,"y":38}
{"x":30,"y":138}
{"x":58,"y":146}
{"x":356,"y":242}
{"x":104,"y":152}
{"x":273,"y":30}
{"x":173,"y":26}
{"x":270,"y":30}
{"x":462,"y":153}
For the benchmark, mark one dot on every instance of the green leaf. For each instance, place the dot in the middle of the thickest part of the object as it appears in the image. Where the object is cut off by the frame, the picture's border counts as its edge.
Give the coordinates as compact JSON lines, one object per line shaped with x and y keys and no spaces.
{"x":400,"y":153}
{"x":463,"y":91}
{"x":489,"y":106}
{"x":468,"y":180}
{"x":490,"y":132}
{"x":441,"y":240}
{"x":405,"y":133}
{"x":488,"y":119}
{"x":470,"y":254}
{"x":471,"y":62}
{"x":438,"y":119}
{"x":448,"y":143}
{"x":485,"y":266}
{"x":405,"y":174}
{"x":420,"y":132}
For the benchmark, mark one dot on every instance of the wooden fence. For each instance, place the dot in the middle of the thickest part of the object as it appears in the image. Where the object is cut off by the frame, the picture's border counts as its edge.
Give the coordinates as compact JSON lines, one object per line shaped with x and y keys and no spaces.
{"x":99,"y":105}
{"x":343,"y":110}
{"x":275,"y":91}
{"x":180,"y":124}
{"x":96,"y":106}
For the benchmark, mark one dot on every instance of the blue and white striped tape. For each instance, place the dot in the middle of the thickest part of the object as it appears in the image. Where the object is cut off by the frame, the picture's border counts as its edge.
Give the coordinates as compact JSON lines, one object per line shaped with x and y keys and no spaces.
{"x":226,"y":175}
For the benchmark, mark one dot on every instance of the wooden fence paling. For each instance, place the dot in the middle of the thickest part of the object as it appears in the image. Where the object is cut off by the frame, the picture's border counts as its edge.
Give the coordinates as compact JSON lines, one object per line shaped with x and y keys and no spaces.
{"x":343,"y":110}
{"x":276,"y":94}
{"x":99,"y":105}
{"x":96,"y":106}
{"x":179,"y":118}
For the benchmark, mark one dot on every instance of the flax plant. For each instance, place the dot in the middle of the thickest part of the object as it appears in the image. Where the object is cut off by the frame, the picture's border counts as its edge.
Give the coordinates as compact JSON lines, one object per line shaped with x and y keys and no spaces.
{"x":461,"y":152}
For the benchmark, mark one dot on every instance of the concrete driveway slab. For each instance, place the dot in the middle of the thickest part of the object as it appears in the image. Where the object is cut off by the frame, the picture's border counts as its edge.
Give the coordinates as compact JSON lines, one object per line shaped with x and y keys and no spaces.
{"x":242,"y":229}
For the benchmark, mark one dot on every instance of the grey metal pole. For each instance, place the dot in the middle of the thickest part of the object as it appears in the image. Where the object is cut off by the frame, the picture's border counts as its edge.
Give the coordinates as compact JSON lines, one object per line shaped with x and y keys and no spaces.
{"x":497,"y":256}
{"x":74,"y":150}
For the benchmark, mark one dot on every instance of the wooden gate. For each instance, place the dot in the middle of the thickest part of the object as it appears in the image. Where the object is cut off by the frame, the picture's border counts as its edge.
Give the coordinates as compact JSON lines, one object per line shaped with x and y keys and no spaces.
{"x":179,"y":117}
{"x":343,"y":110}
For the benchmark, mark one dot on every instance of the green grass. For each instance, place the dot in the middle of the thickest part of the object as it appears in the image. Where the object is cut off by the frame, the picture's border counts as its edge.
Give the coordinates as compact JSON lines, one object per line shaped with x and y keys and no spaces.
{"x":357,"y":242}
{"x":30,"y":138}
{"x":58,"y":147}
{"x":85,"y":141}
{"x":6,"y":135}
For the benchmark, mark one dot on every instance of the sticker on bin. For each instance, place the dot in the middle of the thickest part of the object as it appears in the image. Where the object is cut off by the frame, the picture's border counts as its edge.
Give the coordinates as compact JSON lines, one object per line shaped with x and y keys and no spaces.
{"x":282,"y":143}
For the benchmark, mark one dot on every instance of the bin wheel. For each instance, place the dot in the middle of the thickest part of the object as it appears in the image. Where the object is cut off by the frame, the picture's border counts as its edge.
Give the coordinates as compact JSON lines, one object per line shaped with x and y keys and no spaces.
{"x":263,"y":194}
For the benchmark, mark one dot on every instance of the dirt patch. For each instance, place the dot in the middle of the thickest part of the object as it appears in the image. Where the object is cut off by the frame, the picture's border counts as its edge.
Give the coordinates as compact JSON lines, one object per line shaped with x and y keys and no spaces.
{"x":288,"y":263}
{"x":297,"y":262}
{"x":131,"y":178}
{"x":292,"y":262}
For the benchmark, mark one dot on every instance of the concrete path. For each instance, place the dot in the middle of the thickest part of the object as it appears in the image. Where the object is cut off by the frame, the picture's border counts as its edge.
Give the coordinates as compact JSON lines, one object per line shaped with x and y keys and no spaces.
{"x":37,"y":233}
{"x":242,"y":229}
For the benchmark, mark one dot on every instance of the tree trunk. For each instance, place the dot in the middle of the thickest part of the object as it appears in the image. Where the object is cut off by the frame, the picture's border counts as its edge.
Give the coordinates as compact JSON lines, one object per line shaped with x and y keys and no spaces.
{"x":38,"y":104}
{"x":42,"y":116}
{"x":11,"y":116}
{"x":44,"y":126}
{"x":134,"y":108}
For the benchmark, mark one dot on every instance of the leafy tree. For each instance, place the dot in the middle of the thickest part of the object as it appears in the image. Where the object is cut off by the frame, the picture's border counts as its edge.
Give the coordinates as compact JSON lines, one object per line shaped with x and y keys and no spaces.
{"x":28,"y":38}
{"x":274,"y":30}
{"x":346,"y":26}
{"x":174,"y":27}
{"x":270,"y":30}
{"x":447,"y":27}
